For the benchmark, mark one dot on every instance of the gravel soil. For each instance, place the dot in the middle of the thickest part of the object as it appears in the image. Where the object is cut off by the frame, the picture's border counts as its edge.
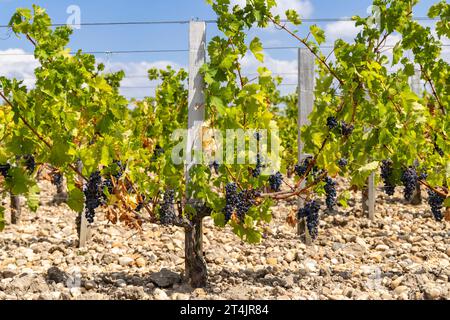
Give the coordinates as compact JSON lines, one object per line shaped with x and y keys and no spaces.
{"x":402,"y":254}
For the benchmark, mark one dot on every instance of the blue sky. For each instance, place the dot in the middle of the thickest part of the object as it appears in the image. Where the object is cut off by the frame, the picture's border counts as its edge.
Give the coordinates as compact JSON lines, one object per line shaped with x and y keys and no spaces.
{"x":145,"y":37}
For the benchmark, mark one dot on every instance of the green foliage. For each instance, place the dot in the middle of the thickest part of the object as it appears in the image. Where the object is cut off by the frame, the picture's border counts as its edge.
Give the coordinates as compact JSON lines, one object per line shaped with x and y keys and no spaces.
{"x":75,"y":113}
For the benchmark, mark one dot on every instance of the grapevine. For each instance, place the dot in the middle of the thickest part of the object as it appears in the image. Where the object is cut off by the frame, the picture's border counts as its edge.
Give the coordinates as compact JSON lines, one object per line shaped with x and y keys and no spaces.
{"x":363,"y":112}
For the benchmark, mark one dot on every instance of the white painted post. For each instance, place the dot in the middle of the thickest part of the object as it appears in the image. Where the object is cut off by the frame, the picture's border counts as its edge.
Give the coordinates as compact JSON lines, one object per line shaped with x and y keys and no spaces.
{"x":195,"y":266}
{"x":196,"y":111}
{"x":371,"y":197}
{"x":415,"y":83}
{"x":84,"y":232}
{"x":416,"y":88}
{"x":369,"y":194}
{"x":305,"y":106}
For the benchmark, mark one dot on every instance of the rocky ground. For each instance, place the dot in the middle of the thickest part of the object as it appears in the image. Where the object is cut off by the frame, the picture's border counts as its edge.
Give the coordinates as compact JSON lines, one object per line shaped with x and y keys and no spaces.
{"x":403,"y":254}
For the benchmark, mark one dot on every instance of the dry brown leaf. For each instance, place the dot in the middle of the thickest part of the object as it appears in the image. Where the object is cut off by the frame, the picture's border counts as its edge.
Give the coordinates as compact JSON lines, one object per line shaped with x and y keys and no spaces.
{"x":292,"y":218}
{"x":447,"y":214}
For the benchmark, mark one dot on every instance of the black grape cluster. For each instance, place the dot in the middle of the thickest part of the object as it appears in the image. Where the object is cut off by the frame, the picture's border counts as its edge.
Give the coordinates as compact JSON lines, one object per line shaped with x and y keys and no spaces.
{"x":386,"y":175}
{"x":409,"y":179}
{"x":423,"y":176}
{"x":167,"y":213}
{"x":231,"y":198}
{"x":275,"y":181}
{"x":330,"y":190}
{"x":139,"y":206}
{"x":435,"y":201}
{"x":158,"y":151}
{"x":239,"y":202}
{"x":4,"y":169}
{"x":246,"y":200}
{"x":30,"y":163}
{"x":343,"y":162}
{"x":93,"y":195}
{"x":311,"y":212}
{"x":57,"y":179}
{"x":258,"y":168}
{"x":332,"y":123}
{"x":257,"y":171}
{"x":300,"y":169}
{"x":214,"y":165}
{"x":346,"y":129}
{"x":121,"y":169}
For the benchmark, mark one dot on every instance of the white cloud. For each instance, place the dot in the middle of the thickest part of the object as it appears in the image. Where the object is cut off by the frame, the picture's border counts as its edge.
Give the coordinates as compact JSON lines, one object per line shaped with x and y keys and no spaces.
{"x":136,"y":83}
{"x":16,"y":63}
{"x":303,"y":7}
{"x":345,"y":30}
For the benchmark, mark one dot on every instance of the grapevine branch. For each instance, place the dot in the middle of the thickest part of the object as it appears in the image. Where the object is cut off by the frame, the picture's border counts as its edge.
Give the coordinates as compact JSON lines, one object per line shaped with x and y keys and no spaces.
{"x":433,"y":89}
{"x":306,"y":44}
{"x":37,"y":134}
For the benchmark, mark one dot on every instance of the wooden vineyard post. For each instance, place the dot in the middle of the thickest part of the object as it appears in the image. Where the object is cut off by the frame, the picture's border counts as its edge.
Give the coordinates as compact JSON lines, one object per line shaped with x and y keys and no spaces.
{"x":16,"y":209}
{"x":195,"y":265}
{"x":369,"y":196}
{"x":415,"y":87}
{"x":82,"y":223}
{"x":305,"y":106}
{"x":369,"y":193}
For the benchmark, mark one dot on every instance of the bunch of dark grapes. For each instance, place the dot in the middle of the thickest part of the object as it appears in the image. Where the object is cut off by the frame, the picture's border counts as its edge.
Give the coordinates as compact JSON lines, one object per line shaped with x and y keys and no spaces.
{"x":330,"y":190}
{"x":238,"y":202}
{"x":302,"y":168}
{"x":423,"y":176}
{"x":231,"y":198}
{"x":93,"y":195}
{"x":343,"y":162}
{"x":435,"y":201}
{"x":4,"y":169}
{"x":121,"y":169}
{"x":140,"y":204}
{"x":108,"y":184}
{"x":409,"y":179}
{"x":258,"y":136}
{"x":258,"y":168}
{"x":311,"y":212}
{"x":275,"y":181}
{"x":30,"y":163}
{"x":57,"y":179}
{"x":246,"y":200}
{"x":167,"y":213}
{"x":346,"y":129}
{"x":332,"y":123}
{"x":214,"y":165}
{"x":386,"y":175}
{"x":158,"y":151}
